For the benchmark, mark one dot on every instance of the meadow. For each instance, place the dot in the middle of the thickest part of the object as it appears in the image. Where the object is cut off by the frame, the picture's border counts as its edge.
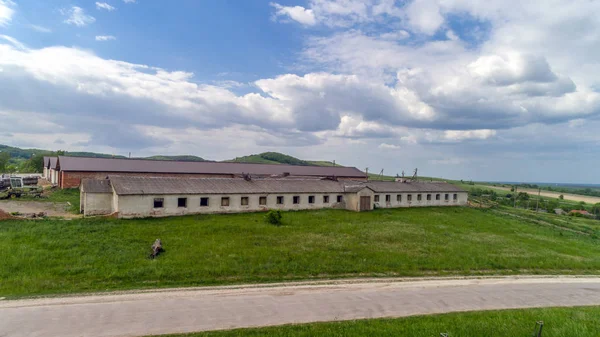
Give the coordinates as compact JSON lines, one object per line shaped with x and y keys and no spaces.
{"x":558,"y":322}
{"x":99,"y":254}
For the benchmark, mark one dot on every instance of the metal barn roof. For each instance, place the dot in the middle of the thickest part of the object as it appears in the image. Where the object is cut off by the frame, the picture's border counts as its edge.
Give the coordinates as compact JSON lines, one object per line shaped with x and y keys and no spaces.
{"x":86,"y":164}
{"x":46,"y":161}
{"x":139,"y":186}
{"x":96,"y":186}
{"x":53,"y":161}
{"x":398,"y":187}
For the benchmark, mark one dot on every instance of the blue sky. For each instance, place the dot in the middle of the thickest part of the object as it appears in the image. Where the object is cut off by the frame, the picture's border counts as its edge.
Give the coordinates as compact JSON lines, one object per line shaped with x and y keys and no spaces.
{"x":504,"y":90}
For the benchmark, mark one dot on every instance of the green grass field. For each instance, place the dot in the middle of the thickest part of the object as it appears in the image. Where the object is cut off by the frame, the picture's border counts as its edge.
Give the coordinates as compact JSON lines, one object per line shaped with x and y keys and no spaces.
{"x":558,"y":322}
{"x":57,"y":256}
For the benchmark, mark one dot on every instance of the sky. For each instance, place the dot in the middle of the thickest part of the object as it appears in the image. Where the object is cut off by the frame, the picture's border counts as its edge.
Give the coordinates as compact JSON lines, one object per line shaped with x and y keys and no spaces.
{"x":496,"y":90}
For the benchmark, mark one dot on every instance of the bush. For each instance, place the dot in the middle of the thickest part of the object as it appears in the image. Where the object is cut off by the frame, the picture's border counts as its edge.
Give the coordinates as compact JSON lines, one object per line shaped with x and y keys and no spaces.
{"x":274,"y":217}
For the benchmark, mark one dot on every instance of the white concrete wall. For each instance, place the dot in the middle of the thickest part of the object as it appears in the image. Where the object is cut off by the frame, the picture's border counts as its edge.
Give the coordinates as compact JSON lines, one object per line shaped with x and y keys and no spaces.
{"x":53,"y":176}
{"x":353,"y":199}
{"x":130,"y":206}
{"x":97,"y":203}
{"x":45,"y":174}
{"x":393,"y":203}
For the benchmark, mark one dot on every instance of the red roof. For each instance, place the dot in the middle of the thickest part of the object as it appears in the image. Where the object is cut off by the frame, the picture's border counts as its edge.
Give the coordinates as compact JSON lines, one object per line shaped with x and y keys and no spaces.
{"x":580,"y":212}
{"x":85,"y":164}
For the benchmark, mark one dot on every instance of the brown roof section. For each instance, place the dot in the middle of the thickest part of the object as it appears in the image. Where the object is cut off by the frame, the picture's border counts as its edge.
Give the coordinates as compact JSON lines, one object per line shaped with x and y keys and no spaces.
{"x":53,"y":162}
{"x":46,"y":161}
{"x":154,"y":186}
{"x":157,"y":166}
{"x":96,"y":186}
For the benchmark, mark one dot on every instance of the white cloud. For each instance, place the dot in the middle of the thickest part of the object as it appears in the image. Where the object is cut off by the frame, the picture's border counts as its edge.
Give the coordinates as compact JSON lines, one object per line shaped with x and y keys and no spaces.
{"x":105,"y":38}
{"x":459,"y":135}
{"x":6,"y":12}
{"x":424,"y":16}
{"x":13,"y":41}
{"x":387,"y":146}
{"x":77,"y":16}
{"x":296,"y":13}
{"x":129,"y":1}
{"x":40,"y":29}
{"x":105,"y":6}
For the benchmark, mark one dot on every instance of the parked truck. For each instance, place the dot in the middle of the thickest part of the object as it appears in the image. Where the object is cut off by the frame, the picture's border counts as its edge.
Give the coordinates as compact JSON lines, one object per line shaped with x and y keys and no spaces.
{"x":15,"y":187}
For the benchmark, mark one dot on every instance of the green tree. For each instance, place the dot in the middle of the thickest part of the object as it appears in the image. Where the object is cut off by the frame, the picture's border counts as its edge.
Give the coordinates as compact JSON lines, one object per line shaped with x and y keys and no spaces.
{"x":4,"y":158}
{"x":596,"y":209}
{"x":35,"y":164}
{"x":561,"y":197}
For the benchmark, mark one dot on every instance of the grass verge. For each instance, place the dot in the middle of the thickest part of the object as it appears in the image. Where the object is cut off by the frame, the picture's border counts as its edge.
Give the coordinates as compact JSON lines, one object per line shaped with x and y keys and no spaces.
{"x":558,"y":322}
{"x":54,"y":256}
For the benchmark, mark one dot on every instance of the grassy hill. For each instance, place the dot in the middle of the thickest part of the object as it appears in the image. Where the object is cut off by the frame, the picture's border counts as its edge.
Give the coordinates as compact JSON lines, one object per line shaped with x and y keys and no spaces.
{"x":270,"y":158}
{"x":176,"y":158}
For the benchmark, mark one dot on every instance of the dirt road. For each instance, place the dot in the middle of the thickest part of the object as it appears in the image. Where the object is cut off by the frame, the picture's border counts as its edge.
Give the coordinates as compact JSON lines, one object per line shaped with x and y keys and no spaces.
{"x":185,"y":310}
{"x":58,"y":209}
{"x":548,"y":194}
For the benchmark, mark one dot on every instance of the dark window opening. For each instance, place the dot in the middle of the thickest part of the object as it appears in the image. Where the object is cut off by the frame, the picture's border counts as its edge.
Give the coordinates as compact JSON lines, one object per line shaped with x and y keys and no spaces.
{"x":325,"y":199}
{"x":399,"y":198}
{"x":388,"y":198}
{"x":409,"y":197}
{"x":296,"y":199}
{"x":204,"y":202}
{"x":279,"y":200}
{"x":419,"y":197}
{"x":340,"y":198}
{"x":447,"y":197}
{"x":437,"y":197}
{"x":244,"y":201}
{"x":225,"y":201}
{"x":428,"y":196}
{"x":456,"y":197}
{"x":311,"y":199}
{"x":376,"y":198}
{"x":159,"y":203}
{"x":182,"y":202}
{"x":262,"y":201}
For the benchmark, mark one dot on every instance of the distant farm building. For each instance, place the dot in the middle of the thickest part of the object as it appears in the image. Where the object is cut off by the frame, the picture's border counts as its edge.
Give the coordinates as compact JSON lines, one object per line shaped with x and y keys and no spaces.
{"x":71,"y":170}
{"x":130,"y":197}
{"x":50,"y":172}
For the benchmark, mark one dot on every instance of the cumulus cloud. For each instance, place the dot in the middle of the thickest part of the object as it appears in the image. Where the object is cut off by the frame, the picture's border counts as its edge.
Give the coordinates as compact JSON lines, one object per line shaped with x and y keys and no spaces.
{"x":296,"y":13}
{"x":105,"y":38}
{"x":387,"y":146}
{"x":129,"y":1}
{"x":6,"y":12}
{"x":40,"y":29}
{"x":77,"y":16}
{"x":104,"y":6}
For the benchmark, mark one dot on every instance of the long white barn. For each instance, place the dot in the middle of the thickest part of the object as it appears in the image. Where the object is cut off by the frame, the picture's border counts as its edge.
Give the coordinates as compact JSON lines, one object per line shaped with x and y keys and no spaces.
{"x":131,"y":197}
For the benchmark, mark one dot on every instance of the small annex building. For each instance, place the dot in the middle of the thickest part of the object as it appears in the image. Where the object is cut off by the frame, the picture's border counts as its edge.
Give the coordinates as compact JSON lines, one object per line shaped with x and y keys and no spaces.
{"x":71,"y":170}
{"x":45,"y":171}
{"x":50,"y":170}
{"x":133,"y":197}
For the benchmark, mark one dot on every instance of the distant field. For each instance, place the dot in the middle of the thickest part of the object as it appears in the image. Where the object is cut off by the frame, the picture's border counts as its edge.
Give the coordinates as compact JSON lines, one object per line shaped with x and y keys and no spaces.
{"x":53,"y":256}
{"x":572,"y":197}
{"x":558,"y":322}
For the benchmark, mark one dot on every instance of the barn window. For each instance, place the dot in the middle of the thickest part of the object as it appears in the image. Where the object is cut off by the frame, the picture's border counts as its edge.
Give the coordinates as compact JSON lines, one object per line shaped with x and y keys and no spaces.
{"x":447,"y":197}
{"x":325,"y":199}
{"x":377,"y":198}
{"x":340,"y":198}
{"x":455,"y":197}
{"x":296,"y":199}
{"x":311,"y":199}
{"x":437,"y":197}
{"x":204,"y":202}
{"x":159,"y":202}
{"x":409,"y":197}
{"x":182,"y":202}
{"x":419,"y":197}
{"x":388,"y":198}
{"x":399,"y":198}
{"x":428,"y":196}
{"x":225,"y":201}
{"x":244,"y":201}
{"x":262,"y":201}
{"x":279,"y":200}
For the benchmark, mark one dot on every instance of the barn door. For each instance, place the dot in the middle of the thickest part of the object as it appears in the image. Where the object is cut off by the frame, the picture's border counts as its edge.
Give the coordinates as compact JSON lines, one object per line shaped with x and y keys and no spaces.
{"x":365,"y":203}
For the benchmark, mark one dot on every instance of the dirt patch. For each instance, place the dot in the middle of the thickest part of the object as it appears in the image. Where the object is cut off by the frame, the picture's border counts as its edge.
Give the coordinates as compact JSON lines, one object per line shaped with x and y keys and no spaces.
{"x":54,"y":209}
{"x":5,"y":216}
